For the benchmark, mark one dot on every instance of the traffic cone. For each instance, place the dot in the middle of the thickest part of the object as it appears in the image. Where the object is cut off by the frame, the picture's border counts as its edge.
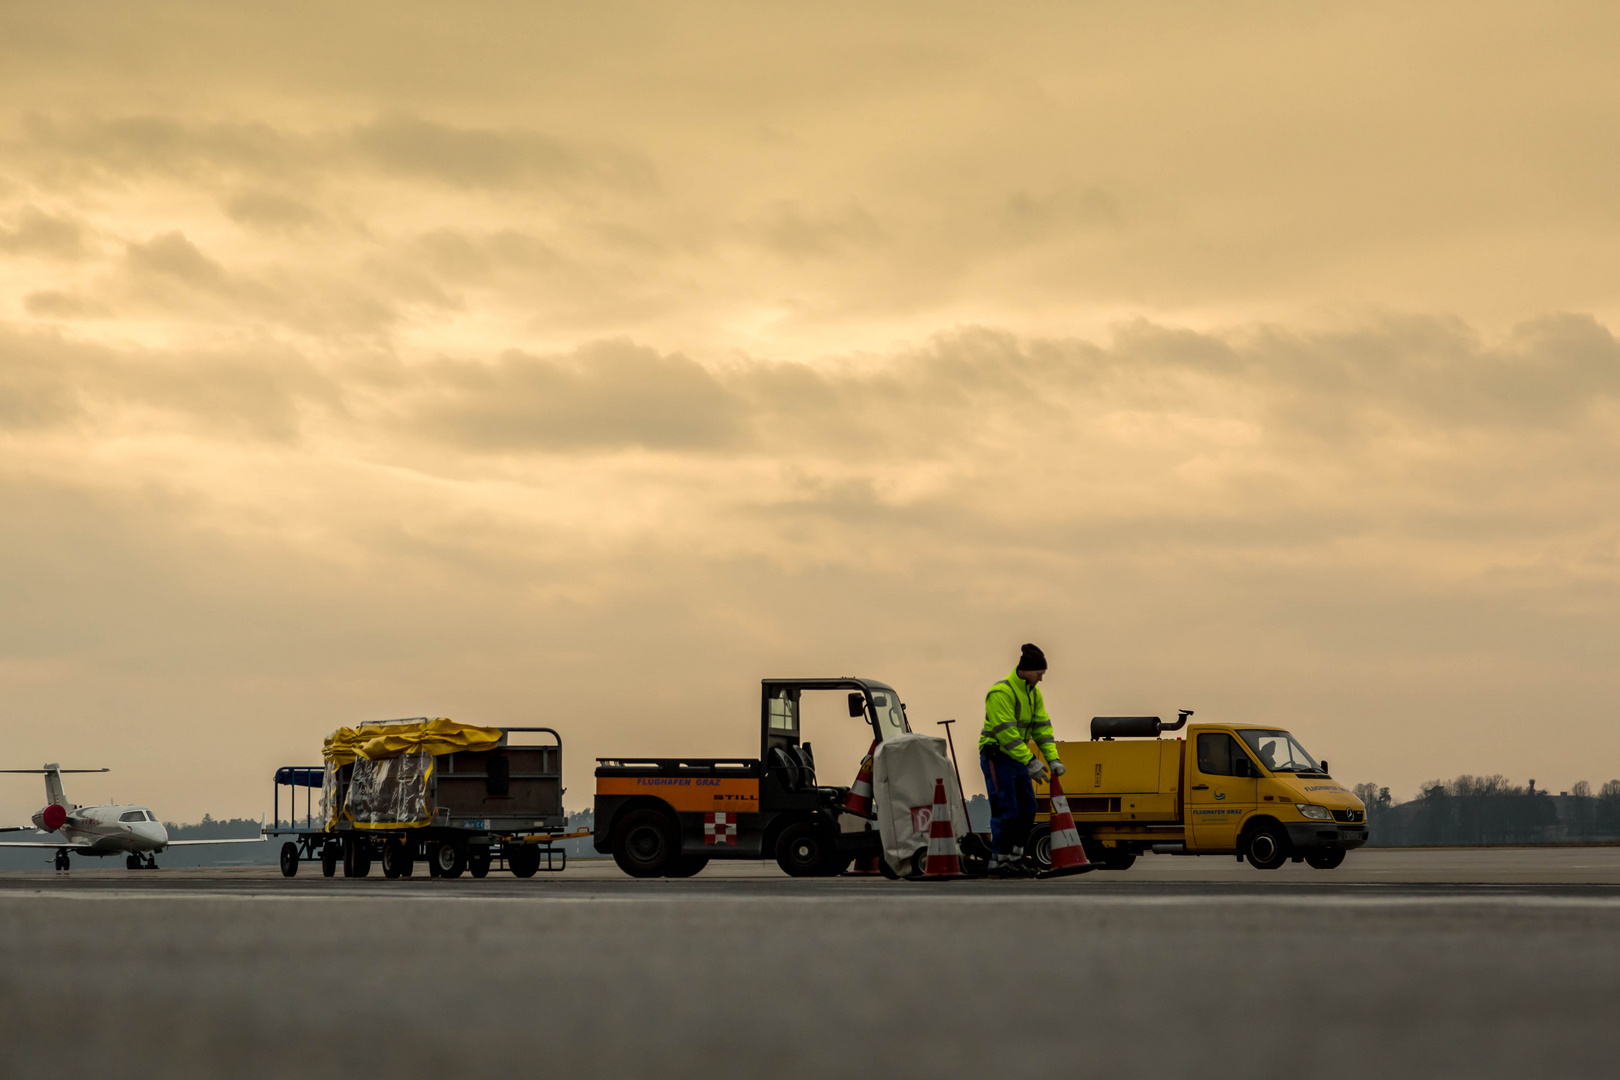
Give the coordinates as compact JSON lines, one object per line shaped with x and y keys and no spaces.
{"x":859,"y":799}
{"x":864,"y":867}
{"x":1068,"y":854}
{"x":942,"y":858}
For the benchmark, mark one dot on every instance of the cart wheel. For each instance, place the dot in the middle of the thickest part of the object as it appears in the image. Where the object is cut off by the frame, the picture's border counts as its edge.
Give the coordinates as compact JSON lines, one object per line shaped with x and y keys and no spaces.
{"x":362,"y":859}
{"x":522,"y":859}
{"x":289,"y":859}
{"x":450,"y":860}
{"x":919,"y":863}
{"x":478,"y":864}
{"x":329,"y":860}
{"x":396,"y":859}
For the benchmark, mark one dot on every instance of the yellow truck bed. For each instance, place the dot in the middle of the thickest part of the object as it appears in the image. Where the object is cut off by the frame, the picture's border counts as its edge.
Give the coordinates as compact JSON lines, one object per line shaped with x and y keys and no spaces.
{"x":1123,"y":780}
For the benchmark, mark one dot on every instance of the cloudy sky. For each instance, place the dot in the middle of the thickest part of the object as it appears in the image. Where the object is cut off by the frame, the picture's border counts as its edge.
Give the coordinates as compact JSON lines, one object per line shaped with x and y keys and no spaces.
{"x":582,"y":365}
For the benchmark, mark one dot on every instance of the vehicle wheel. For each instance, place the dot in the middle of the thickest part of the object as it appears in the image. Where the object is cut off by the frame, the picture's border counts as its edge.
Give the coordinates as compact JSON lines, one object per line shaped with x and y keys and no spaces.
{"x":450,"y":859}
{"x":1118,"y":859}
{"x":803,"y":849}
{"x":362,"y":859}
{"x":329,"y":860}
{"x":1038,"y":848}
{"x":918,"y":864}
{"x":396,"y":859}
{"x":687,"y":866}
{"x":1325,"y":860}
{"x":133,"y":862}
{"x":348,"y":859}
{"x":478,"y":863}
{"x":1265,"y":847}
{"x":646,"y":843}
{"x":522,"y":859}
{"x":289,"y":859}
{"x":975,"y":856}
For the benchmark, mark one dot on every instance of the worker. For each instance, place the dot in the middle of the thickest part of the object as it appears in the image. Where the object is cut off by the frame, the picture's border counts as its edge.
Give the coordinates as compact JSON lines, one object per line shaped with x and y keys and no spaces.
{"x":1015,"y":716}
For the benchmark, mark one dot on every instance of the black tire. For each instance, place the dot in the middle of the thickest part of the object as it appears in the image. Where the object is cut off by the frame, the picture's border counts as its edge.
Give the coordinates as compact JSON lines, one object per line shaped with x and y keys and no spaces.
{"x":131,"y":862}
{"x":1038,"y":848}
{"x":687,"y":866}
{"x":478,"y":863}
{"x":1118,"y":858}
{"x":329,"y":860}
{"x":289,"y":859}
{"x":804,"y":849}
{"x":646,"y":843}
{"x":348,"y":859}
{"x":362,"y":860}
{"x":396,"y":859}
{"x":1265,"y":846}
{"x":1328,"y":859}
{"x":918,"y":864}
{"x":522,"y":859}
{"x":449,"y":859}
{"x":975,"y":855}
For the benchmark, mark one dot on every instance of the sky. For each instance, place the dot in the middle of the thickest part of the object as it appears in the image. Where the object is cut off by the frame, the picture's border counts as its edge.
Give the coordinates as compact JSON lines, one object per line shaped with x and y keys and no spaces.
{"x":581,"y":366}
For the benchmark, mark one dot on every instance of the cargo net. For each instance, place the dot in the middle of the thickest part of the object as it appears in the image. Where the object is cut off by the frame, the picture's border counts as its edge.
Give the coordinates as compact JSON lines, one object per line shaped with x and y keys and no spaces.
{"x":390,"y":792}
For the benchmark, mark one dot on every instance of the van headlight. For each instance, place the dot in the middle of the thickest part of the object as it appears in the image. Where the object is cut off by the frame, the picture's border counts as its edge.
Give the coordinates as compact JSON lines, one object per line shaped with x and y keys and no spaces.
{"x":1315,"y":813}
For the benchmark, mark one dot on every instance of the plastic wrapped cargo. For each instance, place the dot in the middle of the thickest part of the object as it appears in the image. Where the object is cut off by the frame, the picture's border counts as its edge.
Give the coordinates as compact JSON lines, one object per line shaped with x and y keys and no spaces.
{"x":379,"y":775}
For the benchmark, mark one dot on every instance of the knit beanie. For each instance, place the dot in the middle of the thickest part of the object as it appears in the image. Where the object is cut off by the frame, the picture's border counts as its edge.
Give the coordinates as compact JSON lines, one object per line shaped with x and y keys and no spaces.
{"x":1032,"y":660}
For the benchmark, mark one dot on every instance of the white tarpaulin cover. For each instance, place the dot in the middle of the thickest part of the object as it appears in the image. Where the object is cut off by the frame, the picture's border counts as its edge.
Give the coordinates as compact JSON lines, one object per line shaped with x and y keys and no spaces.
{"x":903,"y":775}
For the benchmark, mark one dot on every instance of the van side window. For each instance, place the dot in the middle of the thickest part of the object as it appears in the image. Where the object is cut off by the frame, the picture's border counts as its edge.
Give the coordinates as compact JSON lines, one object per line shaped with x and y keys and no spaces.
{"x":1219,"y":755}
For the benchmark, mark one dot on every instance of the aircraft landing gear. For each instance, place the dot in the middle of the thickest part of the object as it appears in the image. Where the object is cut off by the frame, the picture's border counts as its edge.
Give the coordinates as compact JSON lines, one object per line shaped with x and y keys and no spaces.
{"x":61,"y":858}
{"x":132,"y":862}
{"x":151,"y":861}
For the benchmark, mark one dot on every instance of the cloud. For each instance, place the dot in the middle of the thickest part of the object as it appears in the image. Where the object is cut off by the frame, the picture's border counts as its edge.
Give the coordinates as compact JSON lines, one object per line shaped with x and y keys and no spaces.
{"x":610,"y":395}
{"x":270,"y":212}
{"x":39,"y":233}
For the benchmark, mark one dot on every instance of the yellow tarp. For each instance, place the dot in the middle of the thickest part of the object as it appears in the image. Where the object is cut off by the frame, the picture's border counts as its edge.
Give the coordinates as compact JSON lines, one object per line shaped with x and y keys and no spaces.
{"x":441,"y":736}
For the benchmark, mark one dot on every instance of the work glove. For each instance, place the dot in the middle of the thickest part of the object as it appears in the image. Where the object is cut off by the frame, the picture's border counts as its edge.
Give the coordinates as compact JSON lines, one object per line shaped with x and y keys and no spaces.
{"x":1037,"y":770}
{"x":1058,"y":769}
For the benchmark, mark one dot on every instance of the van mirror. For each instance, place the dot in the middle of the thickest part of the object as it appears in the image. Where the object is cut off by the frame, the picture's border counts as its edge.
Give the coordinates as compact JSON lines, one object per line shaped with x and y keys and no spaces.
{"x":857,"y":704}
{"x":1323,"y":763}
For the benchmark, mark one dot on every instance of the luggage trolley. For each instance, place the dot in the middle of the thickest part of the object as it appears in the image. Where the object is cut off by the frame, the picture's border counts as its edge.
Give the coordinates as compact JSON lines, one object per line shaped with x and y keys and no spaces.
{"x":491,"y":809}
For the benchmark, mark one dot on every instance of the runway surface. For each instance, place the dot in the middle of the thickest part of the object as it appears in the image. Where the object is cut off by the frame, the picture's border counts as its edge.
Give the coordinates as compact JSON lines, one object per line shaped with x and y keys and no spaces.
{"x":1478,"y":963}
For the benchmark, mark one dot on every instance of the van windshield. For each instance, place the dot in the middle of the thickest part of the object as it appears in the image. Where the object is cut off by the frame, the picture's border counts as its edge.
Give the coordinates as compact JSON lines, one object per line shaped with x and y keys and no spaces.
{"x":1278,"y":751}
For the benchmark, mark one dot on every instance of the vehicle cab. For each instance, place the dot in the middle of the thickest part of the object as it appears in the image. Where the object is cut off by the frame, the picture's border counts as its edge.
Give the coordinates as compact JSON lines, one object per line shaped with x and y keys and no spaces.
{"x":1258,"y":793}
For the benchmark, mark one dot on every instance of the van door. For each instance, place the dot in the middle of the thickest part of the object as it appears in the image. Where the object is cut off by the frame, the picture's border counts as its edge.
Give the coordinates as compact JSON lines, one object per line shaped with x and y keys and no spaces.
{"x":1221,"y":790}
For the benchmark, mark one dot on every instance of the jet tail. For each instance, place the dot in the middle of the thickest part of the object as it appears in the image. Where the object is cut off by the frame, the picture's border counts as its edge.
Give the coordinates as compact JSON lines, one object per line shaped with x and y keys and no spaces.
{"x":54,"y":794}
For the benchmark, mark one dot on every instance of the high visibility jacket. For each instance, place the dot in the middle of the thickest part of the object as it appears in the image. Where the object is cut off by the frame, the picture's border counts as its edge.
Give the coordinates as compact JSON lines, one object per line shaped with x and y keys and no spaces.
{"x":1014,"y":716}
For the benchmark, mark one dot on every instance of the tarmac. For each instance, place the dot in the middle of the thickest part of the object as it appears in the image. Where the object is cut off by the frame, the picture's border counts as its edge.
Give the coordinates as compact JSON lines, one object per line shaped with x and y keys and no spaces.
{"x":1411,"y":962}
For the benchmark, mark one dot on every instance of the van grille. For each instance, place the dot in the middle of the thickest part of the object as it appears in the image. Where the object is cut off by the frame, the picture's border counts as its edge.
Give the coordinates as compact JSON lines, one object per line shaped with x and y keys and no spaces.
{"x":1349,"y":815}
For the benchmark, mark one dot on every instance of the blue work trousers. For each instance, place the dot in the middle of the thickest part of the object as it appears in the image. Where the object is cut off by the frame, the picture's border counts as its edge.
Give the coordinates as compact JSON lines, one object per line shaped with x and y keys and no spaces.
{"x":1012,"y":800}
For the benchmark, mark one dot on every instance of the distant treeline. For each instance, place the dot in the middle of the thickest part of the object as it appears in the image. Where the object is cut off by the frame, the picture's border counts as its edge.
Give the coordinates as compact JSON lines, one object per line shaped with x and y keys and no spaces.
{"x":1472,"y":810}
{"x":210,"y":828}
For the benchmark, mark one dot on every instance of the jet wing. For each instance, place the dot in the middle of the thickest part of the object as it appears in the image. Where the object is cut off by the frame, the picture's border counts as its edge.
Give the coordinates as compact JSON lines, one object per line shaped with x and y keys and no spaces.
{"x":194,"y":843}
{"x":57,"y":845}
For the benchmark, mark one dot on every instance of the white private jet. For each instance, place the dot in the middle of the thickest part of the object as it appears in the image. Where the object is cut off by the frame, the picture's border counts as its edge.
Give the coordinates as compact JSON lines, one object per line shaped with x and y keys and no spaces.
{"x":131,"y":831}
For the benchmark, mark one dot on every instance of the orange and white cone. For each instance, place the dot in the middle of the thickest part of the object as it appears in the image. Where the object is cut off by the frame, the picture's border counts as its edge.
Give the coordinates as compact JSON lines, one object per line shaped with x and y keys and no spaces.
{"x":864,"y":867}
{"x":942,"y":858}
{"x":1068,"y":854}
{"x":859,"y":799}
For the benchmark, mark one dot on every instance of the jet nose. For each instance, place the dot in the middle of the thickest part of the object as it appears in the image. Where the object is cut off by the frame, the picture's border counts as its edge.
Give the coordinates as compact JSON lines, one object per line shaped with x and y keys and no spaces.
{"x":155,"y":832}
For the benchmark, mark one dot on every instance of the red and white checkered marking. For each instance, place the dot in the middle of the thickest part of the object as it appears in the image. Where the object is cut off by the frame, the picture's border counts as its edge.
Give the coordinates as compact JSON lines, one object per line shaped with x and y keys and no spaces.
{"x":720,"y":827}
